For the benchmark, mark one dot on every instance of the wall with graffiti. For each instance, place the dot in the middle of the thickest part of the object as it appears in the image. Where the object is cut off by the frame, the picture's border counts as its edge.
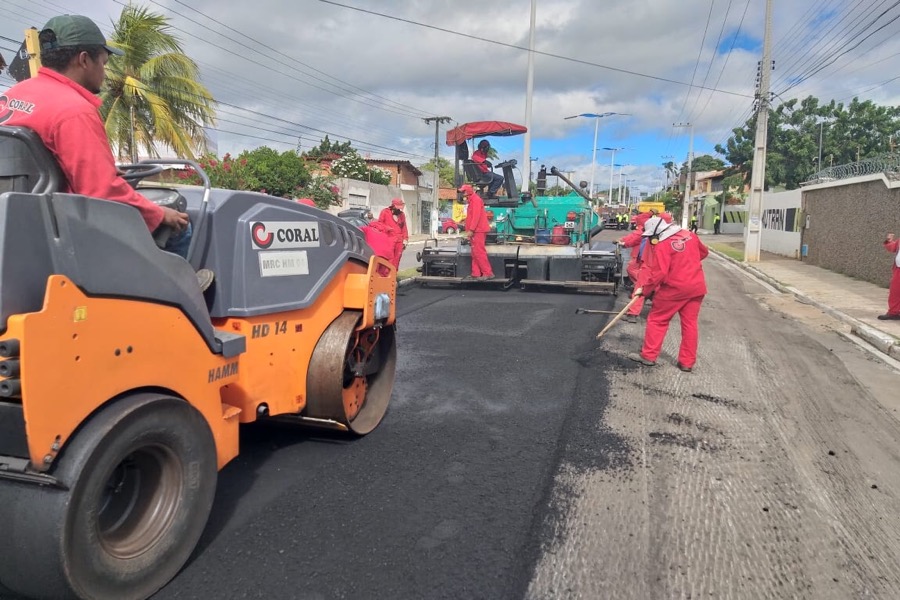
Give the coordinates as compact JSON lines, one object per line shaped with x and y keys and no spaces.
{"x":781,"y":224}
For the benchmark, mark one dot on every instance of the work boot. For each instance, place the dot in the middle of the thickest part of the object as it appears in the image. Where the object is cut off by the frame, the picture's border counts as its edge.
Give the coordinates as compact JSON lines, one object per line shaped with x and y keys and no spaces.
{"x":205,"y":277}
{"x":630,"y":318}
{"x":485,"y":277}
{"x":636,"y":357}
{"x":889,"y":317}
{"x":681,"y":367}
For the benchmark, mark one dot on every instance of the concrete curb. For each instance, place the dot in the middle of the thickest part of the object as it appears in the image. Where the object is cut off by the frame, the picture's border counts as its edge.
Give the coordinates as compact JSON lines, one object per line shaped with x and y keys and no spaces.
{"x":884,"y":342}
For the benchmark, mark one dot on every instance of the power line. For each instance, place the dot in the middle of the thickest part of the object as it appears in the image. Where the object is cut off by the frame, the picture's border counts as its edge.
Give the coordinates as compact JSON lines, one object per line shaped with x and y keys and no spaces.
{"x":366,"y":92}
{"x":712,"y":5}
{"x":516,"y":47}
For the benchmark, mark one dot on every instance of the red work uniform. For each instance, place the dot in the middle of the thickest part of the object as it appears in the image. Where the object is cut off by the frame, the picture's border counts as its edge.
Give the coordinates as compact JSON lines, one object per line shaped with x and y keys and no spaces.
{"x":65,"y":116}
{"x":478,"y":225}
{"x":379,"y":239}
{"x":637,"y":269}
{"x":893,"y":246}
{"x":396,"y":229}
{"x":479,"y":157}
{"x":677,"y":281}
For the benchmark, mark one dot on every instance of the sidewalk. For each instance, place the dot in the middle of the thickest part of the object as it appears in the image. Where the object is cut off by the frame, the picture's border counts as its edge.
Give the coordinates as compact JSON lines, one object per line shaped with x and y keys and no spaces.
{"x":856,"y":303}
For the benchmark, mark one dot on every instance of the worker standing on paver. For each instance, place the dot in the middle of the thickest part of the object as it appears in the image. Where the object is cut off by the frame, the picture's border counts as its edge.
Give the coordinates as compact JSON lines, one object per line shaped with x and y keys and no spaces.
{"x":892,"y":244}
{"x":477,"y":228}
{"x":678,"y":285}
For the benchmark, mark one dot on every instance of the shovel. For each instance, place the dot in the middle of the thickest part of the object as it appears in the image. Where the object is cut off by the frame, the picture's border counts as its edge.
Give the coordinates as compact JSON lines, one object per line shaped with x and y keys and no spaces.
{"x":616,"y":318}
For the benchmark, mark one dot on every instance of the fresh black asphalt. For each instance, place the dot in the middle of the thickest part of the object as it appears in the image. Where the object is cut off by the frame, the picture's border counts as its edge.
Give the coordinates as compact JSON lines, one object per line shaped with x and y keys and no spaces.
{"x":449,"y":497}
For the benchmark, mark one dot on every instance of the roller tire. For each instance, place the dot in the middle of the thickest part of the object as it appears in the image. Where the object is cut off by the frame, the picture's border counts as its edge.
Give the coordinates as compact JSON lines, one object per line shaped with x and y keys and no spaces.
{"x":103,"y":536}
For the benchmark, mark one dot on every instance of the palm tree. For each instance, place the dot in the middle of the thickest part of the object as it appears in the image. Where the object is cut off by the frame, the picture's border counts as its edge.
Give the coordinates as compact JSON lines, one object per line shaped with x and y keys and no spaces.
{"x":151,"y":96}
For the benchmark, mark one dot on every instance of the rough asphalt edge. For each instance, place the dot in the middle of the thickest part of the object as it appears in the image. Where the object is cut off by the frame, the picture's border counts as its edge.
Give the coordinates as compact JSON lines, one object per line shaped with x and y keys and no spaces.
{"x":884,"y":343}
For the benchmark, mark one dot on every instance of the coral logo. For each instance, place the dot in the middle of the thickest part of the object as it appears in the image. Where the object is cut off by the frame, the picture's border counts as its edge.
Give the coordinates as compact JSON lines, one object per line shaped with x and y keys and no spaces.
{"x":261,"y":237}
{"x":284,"y":234}
{"x":8,"y":106}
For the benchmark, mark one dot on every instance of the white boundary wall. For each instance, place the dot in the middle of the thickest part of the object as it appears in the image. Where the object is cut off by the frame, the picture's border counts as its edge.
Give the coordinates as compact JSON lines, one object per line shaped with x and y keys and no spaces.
{"x":781,"y":223}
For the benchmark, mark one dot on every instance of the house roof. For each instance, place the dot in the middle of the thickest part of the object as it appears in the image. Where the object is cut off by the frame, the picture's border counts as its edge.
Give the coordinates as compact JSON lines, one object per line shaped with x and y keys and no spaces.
{"x":380,"y":161}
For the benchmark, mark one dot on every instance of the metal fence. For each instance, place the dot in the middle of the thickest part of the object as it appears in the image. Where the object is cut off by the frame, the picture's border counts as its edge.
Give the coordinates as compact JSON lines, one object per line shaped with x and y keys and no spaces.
{"x":886,"y":163}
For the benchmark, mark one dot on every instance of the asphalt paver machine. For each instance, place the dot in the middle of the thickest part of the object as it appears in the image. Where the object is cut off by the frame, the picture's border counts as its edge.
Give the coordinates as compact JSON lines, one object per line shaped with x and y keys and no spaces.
{"x":123,"y":386}
{"x":536,"y":241}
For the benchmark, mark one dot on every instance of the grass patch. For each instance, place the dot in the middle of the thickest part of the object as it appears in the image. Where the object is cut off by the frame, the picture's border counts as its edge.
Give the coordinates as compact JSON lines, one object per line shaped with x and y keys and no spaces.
{"x":406,"y":273}
{"x":728,"y":251}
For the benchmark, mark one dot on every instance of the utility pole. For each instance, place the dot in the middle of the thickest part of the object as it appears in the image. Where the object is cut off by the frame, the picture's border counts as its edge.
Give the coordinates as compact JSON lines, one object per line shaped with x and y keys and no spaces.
{"x":529,"y":89}
{"x":686,"y":201}
{"x":753,"y":230}
{"x":436,"y":191}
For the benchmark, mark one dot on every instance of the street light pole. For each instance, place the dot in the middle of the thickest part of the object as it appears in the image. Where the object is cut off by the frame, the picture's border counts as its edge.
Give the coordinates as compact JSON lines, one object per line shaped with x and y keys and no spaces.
{"x":686,"y":202}
{"x":753,"y":228}
{"x":436,"y":192}
{"x":596,"y":118}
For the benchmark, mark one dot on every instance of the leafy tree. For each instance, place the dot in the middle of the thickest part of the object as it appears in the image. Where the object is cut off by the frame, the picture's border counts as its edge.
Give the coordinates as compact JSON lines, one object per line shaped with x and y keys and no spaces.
{"x":152,"y":95}
{"x":849,"y":133}
{"x":706,"y":162}
{"x":328,"y":149}
{"x":261,"y":170}
{"x":353,"y":166}
{"x":321,"y":190}
{"x":445,"y":170}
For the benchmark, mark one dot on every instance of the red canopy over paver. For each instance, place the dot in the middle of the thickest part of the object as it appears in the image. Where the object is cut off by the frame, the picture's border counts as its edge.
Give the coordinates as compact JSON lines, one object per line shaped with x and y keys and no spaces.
{"x":467,"y":131}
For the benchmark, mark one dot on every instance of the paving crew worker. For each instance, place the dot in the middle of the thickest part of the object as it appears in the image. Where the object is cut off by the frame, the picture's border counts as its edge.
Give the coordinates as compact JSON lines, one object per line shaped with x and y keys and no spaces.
{"x":480,"y":158}
{"x":477,"y":228}
{"x":61,"y":106}
{"x":678,"y":285}
{"x":395,"y":221}
{"x":379,"y":238}
{"x":892,"y":245}
{"x":716,"y":220}
{"x":638,"y":266}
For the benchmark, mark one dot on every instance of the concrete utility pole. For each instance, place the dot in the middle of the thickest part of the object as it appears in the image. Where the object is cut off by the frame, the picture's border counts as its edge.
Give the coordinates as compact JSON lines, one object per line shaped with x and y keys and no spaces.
{"x":753,"y":229}
{"x":436,"y":192}
{"x":529,"y":88}
{"x":686,"y":201}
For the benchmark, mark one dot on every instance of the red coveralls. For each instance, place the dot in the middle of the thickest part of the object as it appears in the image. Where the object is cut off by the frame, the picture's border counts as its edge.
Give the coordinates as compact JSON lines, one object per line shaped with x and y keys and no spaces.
{"x":637,"y":268}
{"x":676,"y":277}
{"x":478,"y":226}
{"x":66,"y":118}
{"x":396,"y":229}
{"x":379,"y":239}
{"x":894,"y":292}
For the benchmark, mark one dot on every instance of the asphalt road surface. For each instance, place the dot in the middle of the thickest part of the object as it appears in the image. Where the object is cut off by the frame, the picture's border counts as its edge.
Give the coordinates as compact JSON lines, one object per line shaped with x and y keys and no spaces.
{"x":523,"y":459}
{"x":445,"y":498}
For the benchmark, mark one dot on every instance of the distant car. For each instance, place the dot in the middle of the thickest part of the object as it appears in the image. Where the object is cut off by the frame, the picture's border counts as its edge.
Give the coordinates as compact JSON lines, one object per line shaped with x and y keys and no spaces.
{"x":448,"y":225}
{"x":356,"y":221}
{"x":360,"y":213}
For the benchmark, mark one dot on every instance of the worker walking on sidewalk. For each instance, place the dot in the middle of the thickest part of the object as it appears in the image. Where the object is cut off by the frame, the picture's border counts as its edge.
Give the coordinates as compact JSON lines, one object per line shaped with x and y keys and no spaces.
{"x":477,"y":228}
{"x":678,"y":285}
{"x":892,"y":244}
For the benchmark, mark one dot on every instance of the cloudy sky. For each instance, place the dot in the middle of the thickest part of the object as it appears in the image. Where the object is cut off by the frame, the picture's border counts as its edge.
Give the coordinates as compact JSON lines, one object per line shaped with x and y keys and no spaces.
{"x":287,"y":72}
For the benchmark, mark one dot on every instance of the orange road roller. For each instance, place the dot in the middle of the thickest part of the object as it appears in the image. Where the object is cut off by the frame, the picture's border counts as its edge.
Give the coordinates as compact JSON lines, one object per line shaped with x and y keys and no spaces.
{"x":123,"y":384}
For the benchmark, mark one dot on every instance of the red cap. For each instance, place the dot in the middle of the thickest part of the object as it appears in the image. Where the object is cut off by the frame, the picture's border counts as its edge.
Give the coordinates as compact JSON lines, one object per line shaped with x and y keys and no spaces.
{"x":398,"y":202}
{"x":466,"y":189}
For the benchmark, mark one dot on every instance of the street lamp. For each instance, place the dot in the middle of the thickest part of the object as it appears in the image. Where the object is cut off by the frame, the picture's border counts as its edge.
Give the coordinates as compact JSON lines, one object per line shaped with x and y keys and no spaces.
{"x":612,"y":165}
{"x":596,"y":118}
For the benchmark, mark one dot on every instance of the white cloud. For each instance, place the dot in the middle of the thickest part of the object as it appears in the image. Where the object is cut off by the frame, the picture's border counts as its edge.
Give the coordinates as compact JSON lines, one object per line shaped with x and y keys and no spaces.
{"x":419,"y":71}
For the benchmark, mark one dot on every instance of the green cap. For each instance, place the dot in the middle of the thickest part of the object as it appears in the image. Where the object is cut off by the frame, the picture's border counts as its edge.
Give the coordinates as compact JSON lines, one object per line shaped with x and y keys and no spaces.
{"x":75,"y":30}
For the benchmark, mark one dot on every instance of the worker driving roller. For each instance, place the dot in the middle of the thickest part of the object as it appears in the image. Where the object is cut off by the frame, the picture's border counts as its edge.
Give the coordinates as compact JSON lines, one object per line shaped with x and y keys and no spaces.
{"x":61,"y":106}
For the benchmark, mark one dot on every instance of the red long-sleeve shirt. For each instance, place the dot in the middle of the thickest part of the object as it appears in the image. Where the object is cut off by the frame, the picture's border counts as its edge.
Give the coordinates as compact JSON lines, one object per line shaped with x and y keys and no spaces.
{"x":476,"y":217}
{"x":396,"y":227}
{"x":894,"y":248}
{"x":65,"y":116}
{"x":479,"y":157}
{"x":675,"y":269}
